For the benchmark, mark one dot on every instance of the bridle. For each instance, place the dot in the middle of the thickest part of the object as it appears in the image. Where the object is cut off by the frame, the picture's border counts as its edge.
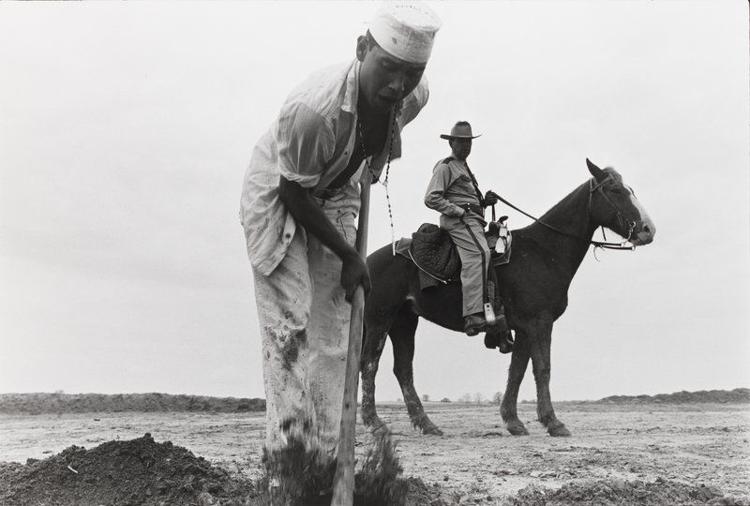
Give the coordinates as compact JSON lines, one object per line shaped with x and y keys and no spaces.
{"x":593,"y":187}
{"x":630,"y":225}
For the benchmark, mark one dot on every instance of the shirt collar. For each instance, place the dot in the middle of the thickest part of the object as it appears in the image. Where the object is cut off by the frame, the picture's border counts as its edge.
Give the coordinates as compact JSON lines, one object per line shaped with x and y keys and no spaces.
{"x":351,"y":93}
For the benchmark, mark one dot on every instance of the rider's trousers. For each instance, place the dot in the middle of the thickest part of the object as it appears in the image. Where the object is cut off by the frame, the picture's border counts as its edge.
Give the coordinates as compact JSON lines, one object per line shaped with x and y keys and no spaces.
{"x":468,"y":236}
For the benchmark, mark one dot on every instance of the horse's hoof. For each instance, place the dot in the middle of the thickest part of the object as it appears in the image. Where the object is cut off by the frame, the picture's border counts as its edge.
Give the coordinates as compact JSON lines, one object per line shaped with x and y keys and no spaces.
{"x":558,"y":431}
{"x":377,"y":426}
{"x":380,"y":431}
{"x":517,"y":429}
{"x":432,"y":431}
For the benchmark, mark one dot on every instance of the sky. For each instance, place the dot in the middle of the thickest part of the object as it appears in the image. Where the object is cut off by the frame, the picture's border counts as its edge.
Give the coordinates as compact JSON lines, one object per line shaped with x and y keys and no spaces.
{"x":126,"y":128}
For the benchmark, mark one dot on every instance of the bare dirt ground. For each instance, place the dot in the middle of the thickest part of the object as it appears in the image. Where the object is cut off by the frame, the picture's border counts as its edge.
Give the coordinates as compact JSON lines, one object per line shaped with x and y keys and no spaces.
{"x":476,"y":461}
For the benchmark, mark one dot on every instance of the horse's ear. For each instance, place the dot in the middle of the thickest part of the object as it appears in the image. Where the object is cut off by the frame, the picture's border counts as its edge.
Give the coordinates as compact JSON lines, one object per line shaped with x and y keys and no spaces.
{"x":595,"y":171}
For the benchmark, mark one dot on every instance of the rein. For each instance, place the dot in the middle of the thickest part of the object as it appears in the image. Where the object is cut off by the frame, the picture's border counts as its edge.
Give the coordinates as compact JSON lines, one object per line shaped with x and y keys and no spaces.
{"x":597,"y":244}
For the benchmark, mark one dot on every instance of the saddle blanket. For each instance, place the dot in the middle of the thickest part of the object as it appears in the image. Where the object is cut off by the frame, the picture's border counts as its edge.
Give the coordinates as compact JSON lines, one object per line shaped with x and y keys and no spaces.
{"x":434,"y":254}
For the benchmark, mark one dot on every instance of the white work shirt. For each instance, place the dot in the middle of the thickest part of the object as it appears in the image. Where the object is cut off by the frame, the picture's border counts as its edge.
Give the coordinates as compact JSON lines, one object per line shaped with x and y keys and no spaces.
{"x":310,"y":143}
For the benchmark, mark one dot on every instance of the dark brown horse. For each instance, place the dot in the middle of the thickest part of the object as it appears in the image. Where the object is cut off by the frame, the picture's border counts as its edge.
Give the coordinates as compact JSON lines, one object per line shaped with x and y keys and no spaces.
{"x":534,"y":288}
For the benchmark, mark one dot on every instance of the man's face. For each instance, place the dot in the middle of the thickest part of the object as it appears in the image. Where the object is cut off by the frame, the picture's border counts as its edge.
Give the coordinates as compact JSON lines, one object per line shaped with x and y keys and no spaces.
{"x":461,"y":148}
{"x":385,"y":79}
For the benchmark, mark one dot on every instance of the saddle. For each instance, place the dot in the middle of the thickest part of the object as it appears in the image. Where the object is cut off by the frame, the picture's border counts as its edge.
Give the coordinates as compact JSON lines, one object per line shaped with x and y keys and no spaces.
{"x":433,"y":252}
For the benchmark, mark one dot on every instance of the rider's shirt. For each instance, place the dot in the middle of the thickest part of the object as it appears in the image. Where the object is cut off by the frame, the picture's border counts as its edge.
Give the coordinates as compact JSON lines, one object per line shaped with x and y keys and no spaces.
{"x":450,"y":186}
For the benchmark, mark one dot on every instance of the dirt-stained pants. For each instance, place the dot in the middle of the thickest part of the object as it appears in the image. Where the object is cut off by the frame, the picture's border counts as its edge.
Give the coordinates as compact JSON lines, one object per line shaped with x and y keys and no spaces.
{"x":304,"y":325}
{"x":468,"y":236}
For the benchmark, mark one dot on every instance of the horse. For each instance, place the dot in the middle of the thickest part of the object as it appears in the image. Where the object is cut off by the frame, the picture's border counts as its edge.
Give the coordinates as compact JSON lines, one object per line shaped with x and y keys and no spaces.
{"x":533,"y":288}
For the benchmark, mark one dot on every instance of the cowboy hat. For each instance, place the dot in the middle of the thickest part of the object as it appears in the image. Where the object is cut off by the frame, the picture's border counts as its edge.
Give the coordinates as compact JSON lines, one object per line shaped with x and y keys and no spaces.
{"x":461,"y":130}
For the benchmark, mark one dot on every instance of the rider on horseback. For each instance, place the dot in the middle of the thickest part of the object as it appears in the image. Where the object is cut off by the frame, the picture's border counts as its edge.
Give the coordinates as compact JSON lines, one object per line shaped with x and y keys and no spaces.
{"x":453,"y":192}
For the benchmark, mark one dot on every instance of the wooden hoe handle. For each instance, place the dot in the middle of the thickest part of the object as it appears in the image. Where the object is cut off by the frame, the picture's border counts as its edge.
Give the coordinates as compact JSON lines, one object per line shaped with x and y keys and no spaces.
{"x":343,"y":482}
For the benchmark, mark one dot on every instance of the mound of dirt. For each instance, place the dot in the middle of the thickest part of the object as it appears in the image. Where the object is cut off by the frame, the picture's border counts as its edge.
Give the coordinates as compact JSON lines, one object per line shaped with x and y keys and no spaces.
{"x":421,"y":494}
{"x":135,"y":472}
{"x":613,"y":492}
{"x":738,"y":395}
{"x":38,"y":403}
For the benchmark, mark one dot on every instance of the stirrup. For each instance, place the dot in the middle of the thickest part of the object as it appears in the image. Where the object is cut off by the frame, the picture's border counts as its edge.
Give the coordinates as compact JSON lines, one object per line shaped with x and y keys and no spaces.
{"x":489,"y":314}
{"x":506,"y":343}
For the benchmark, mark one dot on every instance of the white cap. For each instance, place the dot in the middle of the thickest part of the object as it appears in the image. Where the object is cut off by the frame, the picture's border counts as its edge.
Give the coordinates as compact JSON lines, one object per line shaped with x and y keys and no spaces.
{"x":406,"y":30}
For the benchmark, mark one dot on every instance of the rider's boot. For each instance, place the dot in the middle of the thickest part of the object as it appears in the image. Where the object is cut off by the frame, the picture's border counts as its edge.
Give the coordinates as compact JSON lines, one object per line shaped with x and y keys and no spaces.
{"x":474,"y":324}
{"x":499,"y":335}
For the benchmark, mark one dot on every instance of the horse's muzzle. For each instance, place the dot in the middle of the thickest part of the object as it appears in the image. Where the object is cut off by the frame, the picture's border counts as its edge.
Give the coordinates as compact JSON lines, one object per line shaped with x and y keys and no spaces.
{"x":644,"y":233}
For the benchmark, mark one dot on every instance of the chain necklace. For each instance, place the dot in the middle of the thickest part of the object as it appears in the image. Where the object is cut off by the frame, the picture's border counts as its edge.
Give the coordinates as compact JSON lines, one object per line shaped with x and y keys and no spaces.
{"x":375,"y":177}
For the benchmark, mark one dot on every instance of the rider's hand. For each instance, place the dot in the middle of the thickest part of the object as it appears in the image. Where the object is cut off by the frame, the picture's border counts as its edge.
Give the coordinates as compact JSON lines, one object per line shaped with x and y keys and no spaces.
{"x":353,"y":274}
{"x":490,"y":198}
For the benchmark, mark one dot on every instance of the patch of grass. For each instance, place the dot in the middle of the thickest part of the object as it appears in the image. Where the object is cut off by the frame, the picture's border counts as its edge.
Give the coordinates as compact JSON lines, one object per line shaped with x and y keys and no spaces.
{"x":301,"y":474}
{"x":379,"y":480}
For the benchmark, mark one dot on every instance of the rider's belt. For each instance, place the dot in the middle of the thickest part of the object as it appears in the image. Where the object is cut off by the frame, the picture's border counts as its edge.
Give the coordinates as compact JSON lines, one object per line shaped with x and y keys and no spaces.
{"x":474,"y":208}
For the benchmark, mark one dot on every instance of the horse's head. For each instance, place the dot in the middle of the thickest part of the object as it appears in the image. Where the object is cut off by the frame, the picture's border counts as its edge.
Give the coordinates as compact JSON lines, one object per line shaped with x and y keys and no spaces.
{"x":613,"y":204}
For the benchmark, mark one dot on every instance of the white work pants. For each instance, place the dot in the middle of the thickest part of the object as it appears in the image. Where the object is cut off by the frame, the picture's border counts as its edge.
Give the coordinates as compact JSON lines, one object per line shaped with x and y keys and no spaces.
{"x":304,"y":326}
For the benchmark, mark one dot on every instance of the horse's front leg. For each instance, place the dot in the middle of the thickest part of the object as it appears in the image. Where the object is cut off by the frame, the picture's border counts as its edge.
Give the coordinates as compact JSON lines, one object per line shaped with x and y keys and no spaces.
{"x":518,"y":363}
{"x":540,"y":343}
{"x":375,"y":336}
